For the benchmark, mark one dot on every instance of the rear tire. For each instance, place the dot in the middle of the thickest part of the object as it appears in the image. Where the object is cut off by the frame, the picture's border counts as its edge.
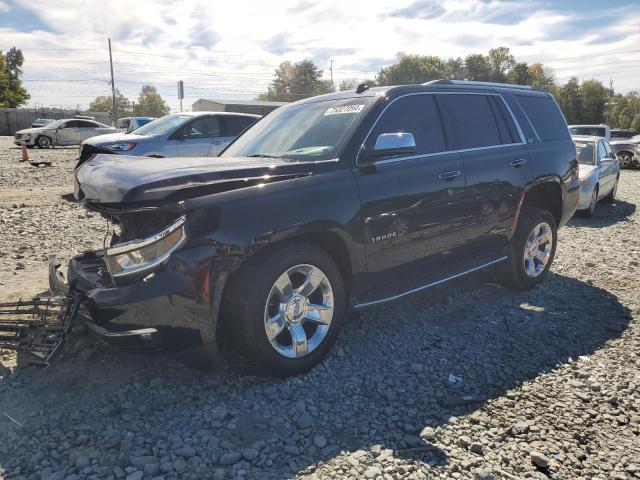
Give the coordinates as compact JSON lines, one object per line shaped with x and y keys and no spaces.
{"x":532,"y":249}
{"x":625,"y":159}
{"x":285,"y":328}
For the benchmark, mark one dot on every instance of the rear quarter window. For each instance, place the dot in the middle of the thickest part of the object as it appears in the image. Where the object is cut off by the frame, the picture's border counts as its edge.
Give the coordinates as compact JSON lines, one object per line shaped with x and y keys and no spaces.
{"x":545,"y":116}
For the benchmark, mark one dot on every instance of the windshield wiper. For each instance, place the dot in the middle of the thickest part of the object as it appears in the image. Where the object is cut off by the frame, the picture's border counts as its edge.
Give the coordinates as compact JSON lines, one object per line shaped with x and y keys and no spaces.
{"x":263,"y":155}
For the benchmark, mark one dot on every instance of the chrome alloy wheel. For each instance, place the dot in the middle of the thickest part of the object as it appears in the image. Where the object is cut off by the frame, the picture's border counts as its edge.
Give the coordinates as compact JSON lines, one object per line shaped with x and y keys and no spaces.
{"x":299,"y":311}
{"x":537,"y":250}
{"x":593,"y":202}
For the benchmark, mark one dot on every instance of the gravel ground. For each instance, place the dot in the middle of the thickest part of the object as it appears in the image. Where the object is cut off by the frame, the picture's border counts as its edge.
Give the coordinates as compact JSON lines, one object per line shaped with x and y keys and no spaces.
{"x":469,"y":381}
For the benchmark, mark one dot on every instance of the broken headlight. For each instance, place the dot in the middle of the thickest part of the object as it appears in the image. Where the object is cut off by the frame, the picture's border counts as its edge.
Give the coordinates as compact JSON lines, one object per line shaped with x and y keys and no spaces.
{"x":138,"y":256}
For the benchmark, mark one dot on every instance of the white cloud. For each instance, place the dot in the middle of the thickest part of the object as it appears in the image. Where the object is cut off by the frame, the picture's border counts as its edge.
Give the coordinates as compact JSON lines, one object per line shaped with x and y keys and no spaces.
{"x":4,"y":7}
{"x":225,"y":51}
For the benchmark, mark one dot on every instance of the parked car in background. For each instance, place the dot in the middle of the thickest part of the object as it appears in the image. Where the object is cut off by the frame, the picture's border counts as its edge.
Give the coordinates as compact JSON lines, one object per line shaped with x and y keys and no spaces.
{"x":337,"y":202}
{"x":41,"y":122}
{"x":591,"y":130}
{"x":628,"y":150}
{"x":128,"y":124}
{"x":69,"y":131}
{"x":620,"y":134}
{"x":599,"y":172}
{"x":193,"y":134}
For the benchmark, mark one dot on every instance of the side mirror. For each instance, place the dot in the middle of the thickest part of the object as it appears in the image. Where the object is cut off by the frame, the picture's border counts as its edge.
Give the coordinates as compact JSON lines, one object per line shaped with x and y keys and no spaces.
{"x":390,"y":144}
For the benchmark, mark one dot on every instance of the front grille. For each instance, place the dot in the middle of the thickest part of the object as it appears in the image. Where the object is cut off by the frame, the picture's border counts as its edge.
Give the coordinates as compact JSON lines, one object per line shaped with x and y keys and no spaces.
{"x":88,"y":151}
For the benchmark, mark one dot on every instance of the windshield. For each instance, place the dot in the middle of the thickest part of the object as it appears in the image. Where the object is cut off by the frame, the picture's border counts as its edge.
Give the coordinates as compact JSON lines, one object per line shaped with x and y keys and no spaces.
{"x":309,"y":131}
{"x":586,"y":153}
{"x":590,"y":131}
{"x":162,"y":125}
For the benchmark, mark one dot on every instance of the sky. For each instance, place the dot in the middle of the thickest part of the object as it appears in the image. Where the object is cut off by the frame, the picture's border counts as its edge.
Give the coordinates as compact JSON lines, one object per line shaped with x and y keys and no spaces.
{"x":230,"y":49}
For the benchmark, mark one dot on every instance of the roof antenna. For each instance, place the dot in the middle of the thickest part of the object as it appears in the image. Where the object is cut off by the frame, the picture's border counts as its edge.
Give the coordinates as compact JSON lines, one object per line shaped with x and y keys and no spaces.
{"x":362,"y":87}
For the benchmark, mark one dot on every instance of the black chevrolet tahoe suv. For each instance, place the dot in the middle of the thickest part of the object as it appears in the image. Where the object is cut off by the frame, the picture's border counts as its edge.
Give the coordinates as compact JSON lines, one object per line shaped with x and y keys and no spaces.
{"x":327,"y":205}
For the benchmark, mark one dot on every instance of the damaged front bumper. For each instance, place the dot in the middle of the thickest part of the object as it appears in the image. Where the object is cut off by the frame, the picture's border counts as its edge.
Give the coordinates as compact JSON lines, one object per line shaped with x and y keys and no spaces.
{"x":172,"y":309}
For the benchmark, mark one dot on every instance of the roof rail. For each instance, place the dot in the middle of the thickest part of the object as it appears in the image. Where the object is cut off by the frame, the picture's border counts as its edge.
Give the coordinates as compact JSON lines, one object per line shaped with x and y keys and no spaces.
{"x":478,"y":84}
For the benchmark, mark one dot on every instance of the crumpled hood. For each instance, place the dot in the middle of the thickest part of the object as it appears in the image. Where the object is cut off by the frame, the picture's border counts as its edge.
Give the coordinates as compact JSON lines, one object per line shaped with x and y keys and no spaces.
{"x":36,"y":130}
{"x":111,"y":179}
{"x":115,"y":138}
{"x":585,"y":170}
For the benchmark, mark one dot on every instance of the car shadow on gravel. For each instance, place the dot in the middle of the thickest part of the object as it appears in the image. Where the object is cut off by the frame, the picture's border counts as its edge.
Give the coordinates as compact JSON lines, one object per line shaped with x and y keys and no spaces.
{"x":396,"y":369}
{"x":605,"y":215}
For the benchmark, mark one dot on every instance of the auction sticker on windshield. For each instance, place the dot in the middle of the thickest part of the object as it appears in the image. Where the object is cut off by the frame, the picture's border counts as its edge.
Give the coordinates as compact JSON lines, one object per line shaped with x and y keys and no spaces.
{"x":344,"y":109}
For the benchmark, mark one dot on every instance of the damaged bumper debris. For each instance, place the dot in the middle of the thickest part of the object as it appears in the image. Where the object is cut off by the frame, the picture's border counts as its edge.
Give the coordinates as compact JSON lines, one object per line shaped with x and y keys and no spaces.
{"x":37,"y":327}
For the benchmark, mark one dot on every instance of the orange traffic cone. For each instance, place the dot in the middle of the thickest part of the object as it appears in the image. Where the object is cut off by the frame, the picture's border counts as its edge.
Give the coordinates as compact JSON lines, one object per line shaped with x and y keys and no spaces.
{"x":25,"y":154}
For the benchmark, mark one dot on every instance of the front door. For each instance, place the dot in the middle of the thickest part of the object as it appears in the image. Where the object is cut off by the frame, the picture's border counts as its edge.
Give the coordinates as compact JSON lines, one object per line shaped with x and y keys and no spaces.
{"x":68,"y":133}
{"x":496,"y":164}
{"x":411,"y":218}
{"x":198,"y":136}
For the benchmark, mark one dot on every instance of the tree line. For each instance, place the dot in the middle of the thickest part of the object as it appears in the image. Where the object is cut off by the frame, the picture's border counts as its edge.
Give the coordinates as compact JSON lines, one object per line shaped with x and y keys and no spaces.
{"x":149,"y":104}
{"x":587,"y":102}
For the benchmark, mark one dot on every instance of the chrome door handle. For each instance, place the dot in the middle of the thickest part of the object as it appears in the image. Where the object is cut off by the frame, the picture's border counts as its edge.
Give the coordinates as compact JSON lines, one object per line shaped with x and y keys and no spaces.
{"x":518,"y":162}
{"x":449,"y":175}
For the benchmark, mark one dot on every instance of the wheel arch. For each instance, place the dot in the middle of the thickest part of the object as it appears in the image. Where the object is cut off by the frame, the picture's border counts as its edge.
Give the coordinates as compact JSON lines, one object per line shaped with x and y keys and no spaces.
{"x":545,"y":193}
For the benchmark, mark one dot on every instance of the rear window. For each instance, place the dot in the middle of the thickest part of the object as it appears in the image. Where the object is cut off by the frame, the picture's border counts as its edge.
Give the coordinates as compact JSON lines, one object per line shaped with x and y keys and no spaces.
{"x":588,"y":131}
{"x":470,"y":121}
{"x":545,"y":117}
{"x":233,"y":125}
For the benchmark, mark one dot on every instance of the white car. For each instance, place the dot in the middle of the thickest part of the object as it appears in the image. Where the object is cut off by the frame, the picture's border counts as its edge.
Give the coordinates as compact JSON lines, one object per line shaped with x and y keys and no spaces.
{"x":599,"y":172}
{"x":69,"y":131}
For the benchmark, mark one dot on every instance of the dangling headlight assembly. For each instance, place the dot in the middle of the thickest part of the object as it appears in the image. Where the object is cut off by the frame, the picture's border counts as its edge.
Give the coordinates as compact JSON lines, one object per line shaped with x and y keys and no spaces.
{"x":139,"y":256}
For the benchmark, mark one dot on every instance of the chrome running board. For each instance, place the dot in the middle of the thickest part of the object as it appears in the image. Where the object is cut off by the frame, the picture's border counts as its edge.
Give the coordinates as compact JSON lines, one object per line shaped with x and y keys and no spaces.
{"x":429,"y":285}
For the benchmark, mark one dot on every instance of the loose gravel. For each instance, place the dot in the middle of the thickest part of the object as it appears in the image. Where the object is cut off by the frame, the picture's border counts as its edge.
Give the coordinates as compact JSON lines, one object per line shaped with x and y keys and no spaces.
{"x":470,"y":381}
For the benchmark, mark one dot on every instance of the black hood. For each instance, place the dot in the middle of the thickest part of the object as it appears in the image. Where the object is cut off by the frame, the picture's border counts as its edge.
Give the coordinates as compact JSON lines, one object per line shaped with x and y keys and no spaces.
{"x":113,"y":179}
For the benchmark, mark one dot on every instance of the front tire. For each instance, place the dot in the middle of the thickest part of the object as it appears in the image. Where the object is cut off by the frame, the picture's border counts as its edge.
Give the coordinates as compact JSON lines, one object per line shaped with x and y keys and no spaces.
{"x":532,"y":248}
{"x":43,"y":141}
{"x":288,"y":308}
{"x":611,"y":196}
{"x":593,"y":203}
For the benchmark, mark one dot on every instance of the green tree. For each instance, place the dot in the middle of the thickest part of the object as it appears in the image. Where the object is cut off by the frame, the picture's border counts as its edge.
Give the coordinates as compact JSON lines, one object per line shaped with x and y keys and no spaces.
{"x":519,"y":74}
{"x":151,"y":104}
{"x":12,"y":93}
{"x":454,"y":69}
{"x":540,"y":76}
{"x":104,"y":103}
{"x":294,"y":81}
{"x":594,"y":96}
{"x":410,"y":69}
{"x":352,"y":84}
{"x":477,"y":67}
{"x":568,"y":97}
{"x":500,"y":63}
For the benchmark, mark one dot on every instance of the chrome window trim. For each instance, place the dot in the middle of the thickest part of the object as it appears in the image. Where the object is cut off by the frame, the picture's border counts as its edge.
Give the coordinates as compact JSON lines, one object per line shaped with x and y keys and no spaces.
{"x":136,"y":244}
{"x":429,"y":285}
{"x":444,"y":152}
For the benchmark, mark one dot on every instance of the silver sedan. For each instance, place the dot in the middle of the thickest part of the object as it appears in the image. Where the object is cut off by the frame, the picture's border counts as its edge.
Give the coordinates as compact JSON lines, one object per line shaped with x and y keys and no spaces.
{"x":599,"y":172}
{"x":193,"y":134}
{"x":70,"y":131}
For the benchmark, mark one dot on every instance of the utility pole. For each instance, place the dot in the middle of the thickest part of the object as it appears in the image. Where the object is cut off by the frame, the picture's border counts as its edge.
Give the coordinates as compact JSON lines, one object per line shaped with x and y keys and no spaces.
{"x":113,"y":86}
{"x":333,"y":87}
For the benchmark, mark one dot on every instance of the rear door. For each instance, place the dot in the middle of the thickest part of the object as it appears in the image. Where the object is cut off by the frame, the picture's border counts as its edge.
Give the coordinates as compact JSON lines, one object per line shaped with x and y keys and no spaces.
{"x":232,"y":126}
{"x":480,"y":128}
{"x":88,"y":129}
{"x":198,"y":136}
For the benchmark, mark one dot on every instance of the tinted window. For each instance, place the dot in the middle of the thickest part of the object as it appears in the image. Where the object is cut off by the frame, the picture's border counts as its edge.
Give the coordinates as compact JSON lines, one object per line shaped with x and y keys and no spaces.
{"x":207,"y":127}
{"x":416,"y":114}
{"x":545,"y":117}
{"x":85,"y":124}
{"x":233,"y":125}
{"x":469,"y":120}
{"x":589,"y":131}
{"x":71,"y":124}
{"x":508,"y":131}
{"x":123,"y":123}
